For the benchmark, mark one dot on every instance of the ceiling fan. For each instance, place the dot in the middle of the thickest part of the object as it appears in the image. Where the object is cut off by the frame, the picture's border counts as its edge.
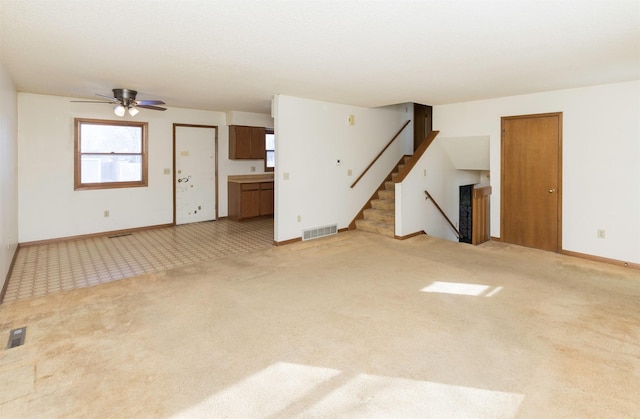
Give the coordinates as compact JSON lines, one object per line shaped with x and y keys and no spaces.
{"x":125,"y":101}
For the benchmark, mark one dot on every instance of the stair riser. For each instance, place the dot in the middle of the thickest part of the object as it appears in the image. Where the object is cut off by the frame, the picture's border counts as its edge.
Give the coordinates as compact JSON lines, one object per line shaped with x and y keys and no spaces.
{"x":391,"y":195}
{"x":379,"y":215}
{"x":372,"y":228}
{"x":383,"y":204}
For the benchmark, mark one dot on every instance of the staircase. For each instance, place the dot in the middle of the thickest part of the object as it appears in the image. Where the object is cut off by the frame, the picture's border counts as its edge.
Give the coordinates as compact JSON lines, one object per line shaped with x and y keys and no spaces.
{"x":380,"y":213}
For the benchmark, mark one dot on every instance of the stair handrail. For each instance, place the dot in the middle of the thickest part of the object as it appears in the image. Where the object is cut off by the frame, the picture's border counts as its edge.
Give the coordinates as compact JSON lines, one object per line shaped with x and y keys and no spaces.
{"x":443,"y":214}
{"x":380,"y":154}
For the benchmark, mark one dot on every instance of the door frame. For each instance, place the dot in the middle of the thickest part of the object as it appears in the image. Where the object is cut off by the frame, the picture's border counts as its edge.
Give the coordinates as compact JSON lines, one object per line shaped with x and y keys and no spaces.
{"x":559,"y":188}
{"x":215,"y":152}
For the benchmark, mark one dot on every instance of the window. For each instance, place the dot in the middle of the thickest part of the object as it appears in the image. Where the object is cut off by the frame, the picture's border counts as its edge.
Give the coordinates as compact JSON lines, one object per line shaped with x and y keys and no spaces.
{"x":270,"y":151}
{"x":110,"y":154}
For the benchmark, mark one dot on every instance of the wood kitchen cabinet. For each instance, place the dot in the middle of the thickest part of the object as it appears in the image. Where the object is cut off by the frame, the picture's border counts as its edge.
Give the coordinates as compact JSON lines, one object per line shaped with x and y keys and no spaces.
{"x":250,"y":199}
{"x":246,"y":142}
{"x":266,"y":198}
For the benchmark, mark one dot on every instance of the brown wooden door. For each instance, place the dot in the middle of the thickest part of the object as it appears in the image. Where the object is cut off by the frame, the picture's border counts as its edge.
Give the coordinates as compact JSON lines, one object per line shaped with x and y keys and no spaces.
{"x":422,"y":123}
{"x":531,"y":181}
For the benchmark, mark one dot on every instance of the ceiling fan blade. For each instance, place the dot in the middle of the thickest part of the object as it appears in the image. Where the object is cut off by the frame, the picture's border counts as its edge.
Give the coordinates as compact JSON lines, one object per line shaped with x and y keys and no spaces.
{"x":112,"y":99}
{"x":149,"y":102}
{"x":155,"y":108}
{"x":91,"y":101}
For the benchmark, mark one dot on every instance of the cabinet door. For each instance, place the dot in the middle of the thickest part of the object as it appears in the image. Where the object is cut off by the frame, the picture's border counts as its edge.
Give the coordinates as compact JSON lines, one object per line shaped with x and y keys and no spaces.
{"x":266,"y":198}
{"x":481,"y":230}
{"x":258,"y":138}
{"x":240,"y":139}
{"x":250,"y":200}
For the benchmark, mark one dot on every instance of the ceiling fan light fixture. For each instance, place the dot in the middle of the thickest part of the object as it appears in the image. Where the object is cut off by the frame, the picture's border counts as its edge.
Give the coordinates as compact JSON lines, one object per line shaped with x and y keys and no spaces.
{"x":133,"y":111}
{"x":119,"y":110}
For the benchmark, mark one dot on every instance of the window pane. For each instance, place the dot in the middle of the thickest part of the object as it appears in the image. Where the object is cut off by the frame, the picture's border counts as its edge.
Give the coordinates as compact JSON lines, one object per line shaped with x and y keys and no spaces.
{"x":271,"y":159}
{"x":270,"y":142}
{"x":98,"y":169}
{"x":97,"y":138}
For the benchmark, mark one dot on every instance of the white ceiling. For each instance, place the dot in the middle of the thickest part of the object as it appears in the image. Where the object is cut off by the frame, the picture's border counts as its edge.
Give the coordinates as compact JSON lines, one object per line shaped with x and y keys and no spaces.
{"x":235,"y":55}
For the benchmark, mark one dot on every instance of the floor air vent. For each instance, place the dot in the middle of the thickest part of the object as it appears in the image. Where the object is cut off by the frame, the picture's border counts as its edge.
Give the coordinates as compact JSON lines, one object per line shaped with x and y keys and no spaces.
{"x":314,"y":233}
{"x":16,"y":337}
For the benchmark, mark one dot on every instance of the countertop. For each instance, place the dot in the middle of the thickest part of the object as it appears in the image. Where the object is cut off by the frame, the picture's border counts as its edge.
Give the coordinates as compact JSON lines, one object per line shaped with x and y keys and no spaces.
{"x":262,"y":177}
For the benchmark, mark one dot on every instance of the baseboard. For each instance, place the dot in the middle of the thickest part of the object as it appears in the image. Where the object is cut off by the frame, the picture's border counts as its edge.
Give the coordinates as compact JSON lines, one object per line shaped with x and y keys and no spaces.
{"x":93,"y":235}
{"x":282,"y":243}
{"x":6,"y":279}
{"x":601,"y":259}
{"x":591,"y":257}
{"x":408,"y":236}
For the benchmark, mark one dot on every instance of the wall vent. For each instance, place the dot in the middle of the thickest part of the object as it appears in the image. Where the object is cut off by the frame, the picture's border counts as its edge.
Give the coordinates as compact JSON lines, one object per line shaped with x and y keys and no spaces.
{"x":314,"y":233}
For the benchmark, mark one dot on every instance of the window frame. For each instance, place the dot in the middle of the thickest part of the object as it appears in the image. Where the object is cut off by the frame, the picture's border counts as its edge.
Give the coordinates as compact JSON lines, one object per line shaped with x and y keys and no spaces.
{"x":266,"y":151}
{"x":78,"y":185}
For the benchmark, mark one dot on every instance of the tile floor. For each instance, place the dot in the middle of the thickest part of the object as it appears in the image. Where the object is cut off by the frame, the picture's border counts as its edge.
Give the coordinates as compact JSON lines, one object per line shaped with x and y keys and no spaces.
{"x":66,"y":265}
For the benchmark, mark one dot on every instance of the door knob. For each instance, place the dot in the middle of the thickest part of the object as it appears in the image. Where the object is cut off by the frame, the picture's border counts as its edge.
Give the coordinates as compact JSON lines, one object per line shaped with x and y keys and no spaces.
{"x":552,"y":190}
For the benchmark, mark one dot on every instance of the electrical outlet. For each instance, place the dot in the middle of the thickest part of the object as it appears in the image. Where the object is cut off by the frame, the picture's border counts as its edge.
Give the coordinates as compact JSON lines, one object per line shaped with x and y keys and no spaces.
{"x":106,"y":213}
{"x":167,"y":171}
{"x":349,"y":172}
{"x":285,"y":176}
{"x":253,"y":168}
{"x":299,"y":218}
{"x":351,"y":120}
{"x":601,"y":234}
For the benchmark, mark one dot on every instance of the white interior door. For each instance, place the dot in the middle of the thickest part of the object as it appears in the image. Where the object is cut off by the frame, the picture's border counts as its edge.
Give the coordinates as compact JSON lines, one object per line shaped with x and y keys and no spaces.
{"x":195,"y":174}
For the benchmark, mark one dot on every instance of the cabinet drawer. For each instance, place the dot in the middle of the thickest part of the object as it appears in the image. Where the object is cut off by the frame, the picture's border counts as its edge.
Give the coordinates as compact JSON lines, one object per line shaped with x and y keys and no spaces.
{"x":250,"y":186}
{"x":266,"y":185}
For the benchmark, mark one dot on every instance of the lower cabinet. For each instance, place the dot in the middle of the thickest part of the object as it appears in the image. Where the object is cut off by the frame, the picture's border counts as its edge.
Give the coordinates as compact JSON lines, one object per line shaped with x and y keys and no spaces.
{"x":248,"y":200}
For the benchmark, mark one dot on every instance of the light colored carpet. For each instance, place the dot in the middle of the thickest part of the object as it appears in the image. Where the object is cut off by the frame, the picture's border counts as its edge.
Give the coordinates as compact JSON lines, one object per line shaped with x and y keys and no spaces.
{"x":354,"y":325}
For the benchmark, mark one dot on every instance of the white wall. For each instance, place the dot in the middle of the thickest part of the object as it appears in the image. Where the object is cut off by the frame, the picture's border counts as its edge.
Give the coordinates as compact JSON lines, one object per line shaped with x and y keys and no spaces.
{"x":50,"y":208}
{"x":8,"y":174}
{"x":601,"y":160}
{"x":435,"y":173}
{"x":249,"y":119}
{"x":310,"y":137}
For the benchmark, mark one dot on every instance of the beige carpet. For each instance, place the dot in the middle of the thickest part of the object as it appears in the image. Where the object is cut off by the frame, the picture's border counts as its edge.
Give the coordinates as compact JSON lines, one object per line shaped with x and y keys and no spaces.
{"x":355,"y":325}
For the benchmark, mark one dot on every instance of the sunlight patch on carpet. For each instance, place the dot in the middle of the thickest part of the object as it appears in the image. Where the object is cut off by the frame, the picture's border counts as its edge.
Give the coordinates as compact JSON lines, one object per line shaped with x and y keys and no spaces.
{"x":292,"y":390}
{"x":461,"y":288}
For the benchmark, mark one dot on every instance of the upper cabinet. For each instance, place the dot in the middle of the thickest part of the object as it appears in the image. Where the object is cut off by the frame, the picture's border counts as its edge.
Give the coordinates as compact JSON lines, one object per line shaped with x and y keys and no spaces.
{"x":246,"y":142}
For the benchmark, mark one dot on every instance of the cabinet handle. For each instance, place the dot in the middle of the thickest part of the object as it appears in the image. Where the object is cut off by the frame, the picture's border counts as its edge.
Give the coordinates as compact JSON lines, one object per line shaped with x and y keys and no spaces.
{"x":552,"y":190}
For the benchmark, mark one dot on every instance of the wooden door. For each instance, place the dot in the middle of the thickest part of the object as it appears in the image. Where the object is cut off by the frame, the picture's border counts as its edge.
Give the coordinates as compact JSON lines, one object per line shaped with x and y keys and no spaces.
{"x":422,"y":123}
{"x":531,"y":181}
